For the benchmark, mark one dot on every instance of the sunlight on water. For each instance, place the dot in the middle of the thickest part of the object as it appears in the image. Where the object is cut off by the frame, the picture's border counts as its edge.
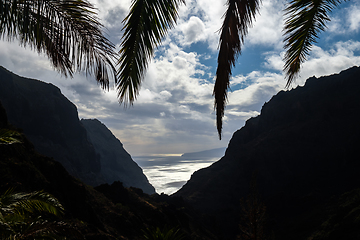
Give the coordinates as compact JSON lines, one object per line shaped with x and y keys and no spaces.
{"x":169,"y":174}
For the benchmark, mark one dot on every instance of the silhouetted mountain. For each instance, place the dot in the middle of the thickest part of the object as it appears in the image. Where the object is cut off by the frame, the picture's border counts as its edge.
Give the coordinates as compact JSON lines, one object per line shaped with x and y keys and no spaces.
{"x":108,"y":212}
{"x":215,"y":153}
{"x":50,"y":121}
{"x":116,"y":163}
{"x":303,"y":148}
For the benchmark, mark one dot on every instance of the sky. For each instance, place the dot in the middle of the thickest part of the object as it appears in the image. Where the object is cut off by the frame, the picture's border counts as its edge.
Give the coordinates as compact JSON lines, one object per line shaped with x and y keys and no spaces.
{"x":174,"y":112}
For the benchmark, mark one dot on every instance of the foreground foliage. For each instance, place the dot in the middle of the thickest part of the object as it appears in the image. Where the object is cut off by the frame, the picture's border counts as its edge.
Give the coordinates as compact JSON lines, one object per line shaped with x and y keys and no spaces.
{"x":67,"y":31}
{"x":163,"y":234}
{"x":26,"y":216}
{"x":8,"y":136}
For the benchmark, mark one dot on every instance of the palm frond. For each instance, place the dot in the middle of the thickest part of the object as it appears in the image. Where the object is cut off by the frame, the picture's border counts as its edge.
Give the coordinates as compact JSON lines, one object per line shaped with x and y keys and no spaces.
{"x":37,"y":201}
{"x":144,"y":28}
{"x":67,"y":31}
{"x":305,"y":20}
{"x":8,"y":136}
{"x":22,"y":217}
{"x":163,"y":234}
{"x":42,"y":229}
{"x":20,"y":203}
{"x":238,"y":18}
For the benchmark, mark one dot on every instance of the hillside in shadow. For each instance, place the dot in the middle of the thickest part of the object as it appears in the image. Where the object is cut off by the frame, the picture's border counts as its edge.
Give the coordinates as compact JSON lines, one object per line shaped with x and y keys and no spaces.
{"x":304,"y":149}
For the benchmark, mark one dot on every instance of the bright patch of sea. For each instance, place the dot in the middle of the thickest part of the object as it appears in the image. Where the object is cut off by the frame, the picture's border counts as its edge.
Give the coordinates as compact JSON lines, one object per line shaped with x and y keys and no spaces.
{"x":169,"y":173}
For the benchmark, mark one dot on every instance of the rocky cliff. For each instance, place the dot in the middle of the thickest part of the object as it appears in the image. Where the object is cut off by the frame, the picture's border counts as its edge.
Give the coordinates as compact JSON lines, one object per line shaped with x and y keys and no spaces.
{"x":50,"y":121}
{"x":303,"y":148}
{"x":116,"y":163}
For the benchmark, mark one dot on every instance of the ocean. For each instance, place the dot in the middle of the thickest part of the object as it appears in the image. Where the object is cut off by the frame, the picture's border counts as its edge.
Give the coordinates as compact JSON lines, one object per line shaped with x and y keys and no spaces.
{"x":169,"y":173}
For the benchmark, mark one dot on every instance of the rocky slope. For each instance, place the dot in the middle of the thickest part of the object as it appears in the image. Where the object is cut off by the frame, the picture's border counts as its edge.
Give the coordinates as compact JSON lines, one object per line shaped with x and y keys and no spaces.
{"x":116,"y":163}
{"x":50,"y":121}
{"x":303,"y":148}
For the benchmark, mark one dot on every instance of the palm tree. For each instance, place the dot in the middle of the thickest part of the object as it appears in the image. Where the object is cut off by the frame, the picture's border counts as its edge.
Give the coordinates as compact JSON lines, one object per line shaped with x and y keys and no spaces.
{"x":149,"y":20}
{"x":67,"y":31}
{"x":22,"y":216}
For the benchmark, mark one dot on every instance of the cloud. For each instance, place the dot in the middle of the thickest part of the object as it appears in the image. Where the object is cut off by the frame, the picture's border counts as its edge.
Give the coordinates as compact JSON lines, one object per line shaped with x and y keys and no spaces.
{"x":174,"y":111}
{"x":193,"y":31}
{"x":321,"y":61}
{"x":20,"y":58}
{"x":345,"y":19}
{"x":199,"y":21}
{"x":261,"y":87}
{"x":267,"y":29}
{"x":339,"y":57}
{"x":354,"y":17}
{"x":179,"y":73}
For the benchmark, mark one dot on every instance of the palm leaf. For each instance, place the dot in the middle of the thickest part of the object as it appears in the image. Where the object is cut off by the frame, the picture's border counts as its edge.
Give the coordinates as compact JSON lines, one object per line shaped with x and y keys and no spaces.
{"x":42,"y":229}
{"x":305,"y":20}
{"x":21,"y":217}
{"x":163,"y":234}
{"x":21,"y":203}
{"x":67,"y":31}
{"x":8,"y":136}
{"x":238,"y":18}
{"x":144,"y":28}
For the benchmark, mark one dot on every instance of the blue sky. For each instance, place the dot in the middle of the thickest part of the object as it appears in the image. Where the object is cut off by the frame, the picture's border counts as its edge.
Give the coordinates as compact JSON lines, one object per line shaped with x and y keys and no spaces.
{"x":174,"y":111}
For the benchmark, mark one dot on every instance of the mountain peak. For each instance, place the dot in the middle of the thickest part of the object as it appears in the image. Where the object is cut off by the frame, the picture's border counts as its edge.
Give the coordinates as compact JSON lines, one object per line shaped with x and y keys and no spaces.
{"x":51,"y":122}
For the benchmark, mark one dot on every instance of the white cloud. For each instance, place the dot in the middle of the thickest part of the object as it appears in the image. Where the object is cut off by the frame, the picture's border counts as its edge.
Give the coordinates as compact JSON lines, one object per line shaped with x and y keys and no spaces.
{"x":111,"y":12}
{"x":274,"y":61}
{"x":345,"y":20}
{"x":354,"y":16}
{"x":261,"y":87}
{"x":268,"y":26}
{"x":237,"y":80}
{"x":201,"y":21}
{"x":175,"y":72}
{"x":321,"y":62}
{"x":336,"y":26}
{"x":192,"y":31}
{"x":244,"y":115}
{"x":21,"y":59}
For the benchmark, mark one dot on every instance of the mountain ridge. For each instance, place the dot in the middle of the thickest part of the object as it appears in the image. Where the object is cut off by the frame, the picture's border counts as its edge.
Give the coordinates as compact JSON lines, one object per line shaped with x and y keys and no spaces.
{"x":215,"y":152}
{"x":116,"y":162}
{"x":50,"y":121}
{"x":303,"y":147}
